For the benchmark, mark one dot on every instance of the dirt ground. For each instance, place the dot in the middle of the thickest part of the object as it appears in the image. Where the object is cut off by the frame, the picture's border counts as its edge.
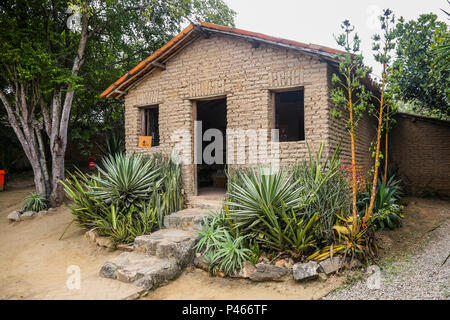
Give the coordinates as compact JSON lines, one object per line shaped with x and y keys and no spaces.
{"x":32,"y":258}
{"x":33,"y":262}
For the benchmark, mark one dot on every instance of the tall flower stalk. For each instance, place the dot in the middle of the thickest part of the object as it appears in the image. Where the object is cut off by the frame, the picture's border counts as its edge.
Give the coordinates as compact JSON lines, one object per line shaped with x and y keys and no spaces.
{"x":348,"y":92}
{"x":383,"y":47}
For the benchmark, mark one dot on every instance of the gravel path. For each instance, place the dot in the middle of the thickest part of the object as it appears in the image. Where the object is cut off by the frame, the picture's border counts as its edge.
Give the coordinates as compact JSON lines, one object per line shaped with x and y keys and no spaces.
{"x":420,"y":276}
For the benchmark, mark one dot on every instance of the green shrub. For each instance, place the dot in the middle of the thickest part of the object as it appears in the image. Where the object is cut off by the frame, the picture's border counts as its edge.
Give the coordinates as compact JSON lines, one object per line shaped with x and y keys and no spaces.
{"x":34,"y":202}
{"x":256,"y":194}
{"x":126,"y":180}
{"x":84,"y":207}
{"x":387,"y":210}
{"x":389,"y":217}
{"x":125,"y":225}
{"x":128,"y":197}
{"x":222,"y":249}
{"x":325,"y":191}
{"x":268,"y":209}
{"x":113,"y":144}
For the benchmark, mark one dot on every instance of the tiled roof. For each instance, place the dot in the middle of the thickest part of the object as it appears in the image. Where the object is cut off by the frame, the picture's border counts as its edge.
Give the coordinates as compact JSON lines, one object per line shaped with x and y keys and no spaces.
{"x":194,"y":30}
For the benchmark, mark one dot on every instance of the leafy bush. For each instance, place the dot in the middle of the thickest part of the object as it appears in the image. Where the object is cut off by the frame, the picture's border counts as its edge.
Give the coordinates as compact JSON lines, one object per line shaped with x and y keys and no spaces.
{"x":34,"y":202}
{"x":387,"y":211}
{"x":113,"y":144}
{"x":390,"y":217}
{"x":254,"y":195}
{"x":268,"y":208}
{"x":125,"y":225}
{"x":126,"y":180}
{"x":353,"y":239}
{"x":222,"y":249}
{"x":324,"y":189}
{"x":128,"y":197}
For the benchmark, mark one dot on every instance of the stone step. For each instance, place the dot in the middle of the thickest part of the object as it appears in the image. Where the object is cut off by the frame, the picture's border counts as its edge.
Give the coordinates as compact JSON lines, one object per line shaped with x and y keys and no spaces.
{"x":144,"y":271}
{"x":171,"y":243}
{"x":188,"y":219}
{"x":196,"y":202}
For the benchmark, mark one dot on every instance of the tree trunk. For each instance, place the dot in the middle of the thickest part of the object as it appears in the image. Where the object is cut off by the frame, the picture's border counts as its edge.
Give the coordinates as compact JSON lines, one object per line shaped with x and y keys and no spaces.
{"x":21,"y":117}
{"x":29,"y":137}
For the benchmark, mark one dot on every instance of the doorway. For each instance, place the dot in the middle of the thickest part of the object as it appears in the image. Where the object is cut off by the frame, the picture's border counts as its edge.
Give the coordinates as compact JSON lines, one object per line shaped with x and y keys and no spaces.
{"x":210,"y":175}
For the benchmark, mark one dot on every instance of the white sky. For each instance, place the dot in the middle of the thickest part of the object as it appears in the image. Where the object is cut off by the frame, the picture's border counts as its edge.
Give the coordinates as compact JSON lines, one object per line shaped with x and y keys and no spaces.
{"x":315,"y":21}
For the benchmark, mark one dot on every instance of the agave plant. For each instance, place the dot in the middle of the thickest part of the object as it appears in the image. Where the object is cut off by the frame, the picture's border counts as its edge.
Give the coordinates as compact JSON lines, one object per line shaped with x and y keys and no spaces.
{"x":126,"y":179}
{"x":387,"y":193}
{"x":325,"y":190}
{"x":256,"y":195}
{"x":230,"y":254}
{"x":34,"y":202}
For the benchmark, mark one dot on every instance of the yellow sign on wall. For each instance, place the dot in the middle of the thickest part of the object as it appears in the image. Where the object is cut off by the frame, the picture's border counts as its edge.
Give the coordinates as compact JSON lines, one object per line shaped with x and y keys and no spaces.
{"x":145,"y":142}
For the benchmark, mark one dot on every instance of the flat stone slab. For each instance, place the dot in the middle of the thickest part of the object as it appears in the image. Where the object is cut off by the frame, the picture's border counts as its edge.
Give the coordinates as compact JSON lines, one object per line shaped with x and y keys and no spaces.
{"x":144,"y":271}
{"x":186,"y":219}
{"x":174,"y":244}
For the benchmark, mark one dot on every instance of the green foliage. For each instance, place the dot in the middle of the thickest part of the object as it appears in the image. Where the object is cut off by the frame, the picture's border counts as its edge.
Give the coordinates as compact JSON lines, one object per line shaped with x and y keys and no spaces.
{"x":387,"y":210}
{"x":126,"y":179}
{"x":326,"y":190}
{"x":387,"y":193}
{"x":256,"y":194}
{"x":421,"y":77}
{"x":113,"y":144}
{"x":34,"y":202}
{"x":351,"y":72}
{"x":123,"y":225}
{"x":389,"y":217}
{"x":222,"y":249}
{"x":268,"y":207}
{"x":84,"y":207}
{"x":128,"y":197}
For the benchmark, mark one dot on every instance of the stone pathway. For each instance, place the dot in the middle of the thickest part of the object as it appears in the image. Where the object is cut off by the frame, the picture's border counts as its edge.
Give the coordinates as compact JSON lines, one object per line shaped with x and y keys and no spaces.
{"x":161,"y":256}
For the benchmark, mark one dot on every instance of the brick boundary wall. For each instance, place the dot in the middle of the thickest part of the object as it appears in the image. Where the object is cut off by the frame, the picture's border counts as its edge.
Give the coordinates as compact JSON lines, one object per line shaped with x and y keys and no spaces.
{"x":420,"y":152}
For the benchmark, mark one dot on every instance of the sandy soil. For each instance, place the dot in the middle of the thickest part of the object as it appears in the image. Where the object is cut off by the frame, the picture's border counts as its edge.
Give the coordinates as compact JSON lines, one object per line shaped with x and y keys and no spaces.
{"x":33,"y":262}
{"x":32,"y":258}
{"x":199,"y":285}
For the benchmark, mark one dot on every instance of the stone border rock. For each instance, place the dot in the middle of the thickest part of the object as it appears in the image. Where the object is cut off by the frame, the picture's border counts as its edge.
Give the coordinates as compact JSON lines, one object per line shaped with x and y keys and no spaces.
{"x":18,"y":215}
{"x":280,"y":271}
{"x":105,"y":242}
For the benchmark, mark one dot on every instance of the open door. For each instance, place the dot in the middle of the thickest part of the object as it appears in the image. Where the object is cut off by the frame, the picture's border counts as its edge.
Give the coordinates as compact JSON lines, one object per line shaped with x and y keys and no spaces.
{"x":211,"y":177}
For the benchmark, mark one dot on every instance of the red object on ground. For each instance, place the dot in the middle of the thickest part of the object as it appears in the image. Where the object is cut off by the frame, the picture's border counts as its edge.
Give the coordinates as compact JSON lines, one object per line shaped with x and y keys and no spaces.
{"x":91,"y":161}
{"x":2,"y":179}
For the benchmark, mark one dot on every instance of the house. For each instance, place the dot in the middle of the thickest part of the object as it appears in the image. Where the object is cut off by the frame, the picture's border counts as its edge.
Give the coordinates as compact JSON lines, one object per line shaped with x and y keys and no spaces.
{"x":231,"y":80}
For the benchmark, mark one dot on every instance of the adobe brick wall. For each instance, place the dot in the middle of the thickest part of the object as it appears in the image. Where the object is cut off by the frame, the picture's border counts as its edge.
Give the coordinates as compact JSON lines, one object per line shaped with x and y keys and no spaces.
{"x":420,"y":150}
{"x":222,"y":65}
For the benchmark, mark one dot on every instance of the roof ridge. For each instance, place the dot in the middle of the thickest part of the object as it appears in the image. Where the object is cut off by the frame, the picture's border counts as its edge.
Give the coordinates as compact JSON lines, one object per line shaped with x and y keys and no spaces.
{"x":325,"y":52}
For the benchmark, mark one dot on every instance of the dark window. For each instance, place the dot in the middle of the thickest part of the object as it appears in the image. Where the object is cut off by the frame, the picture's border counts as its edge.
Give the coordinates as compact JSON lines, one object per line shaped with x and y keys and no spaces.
{"x":289,"y":115}
{"x":150,"y":125}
